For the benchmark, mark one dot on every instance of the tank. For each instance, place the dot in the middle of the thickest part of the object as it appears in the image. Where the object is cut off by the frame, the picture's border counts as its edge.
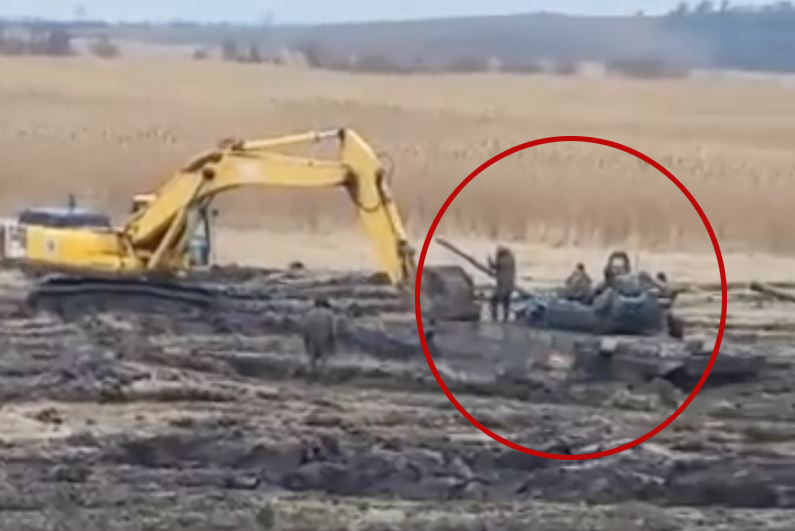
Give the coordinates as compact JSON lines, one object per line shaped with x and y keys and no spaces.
{"x":621,"y":314}
{"x":626,"y":303}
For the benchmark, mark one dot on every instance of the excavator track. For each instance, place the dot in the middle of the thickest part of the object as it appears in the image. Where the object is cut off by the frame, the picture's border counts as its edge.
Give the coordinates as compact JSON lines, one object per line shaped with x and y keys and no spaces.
{"x":71,"y":295}
{"x":74,"y":294}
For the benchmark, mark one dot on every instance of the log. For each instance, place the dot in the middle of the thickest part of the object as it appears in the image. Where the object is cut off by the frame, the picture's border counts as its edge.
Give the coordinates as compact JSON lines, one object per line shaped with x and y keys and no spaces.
{"x":772,"y":292}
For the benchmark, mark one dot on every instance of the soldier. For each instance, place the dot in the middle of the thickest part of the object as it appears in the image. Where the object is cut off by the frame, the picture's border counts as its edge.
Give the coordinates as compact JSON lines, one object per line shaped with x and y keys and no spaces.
{"x":578,"y":285}
{"x":616,"y":268}
{"x":603,"y":286}
{"x":504,"y":267}
{"x":659,"y":286}
{"x":666,"y":293}
{"x":430,"y":338}
{"x":319,"y":334}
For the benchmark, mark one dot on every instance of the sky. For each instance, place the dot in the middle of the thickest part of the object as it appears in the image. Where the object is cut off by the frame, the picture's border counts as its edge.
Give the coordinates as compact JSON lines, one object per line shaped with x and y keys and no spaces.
{"x":319,"y":11}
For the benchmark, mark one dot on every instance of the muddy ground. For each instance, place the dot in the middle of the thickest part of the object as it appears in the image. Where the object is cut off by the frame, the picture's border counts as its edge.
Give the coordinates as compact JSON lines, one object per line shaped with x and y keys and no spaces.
{"x":163,"y":419}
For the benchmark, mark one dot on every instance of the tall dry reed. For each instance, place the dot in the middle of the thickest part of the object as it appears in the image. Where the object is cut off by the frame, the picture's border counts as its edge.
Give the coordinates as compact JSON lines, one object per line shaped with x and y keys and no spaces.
{"x":107,"y":131}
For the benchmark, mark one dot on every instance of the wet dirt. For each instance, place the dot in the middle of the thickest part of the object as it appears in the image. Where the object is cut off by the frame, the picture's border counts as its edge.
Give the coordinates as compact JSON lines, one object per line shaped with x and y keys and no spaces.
{"x":208,"y":420}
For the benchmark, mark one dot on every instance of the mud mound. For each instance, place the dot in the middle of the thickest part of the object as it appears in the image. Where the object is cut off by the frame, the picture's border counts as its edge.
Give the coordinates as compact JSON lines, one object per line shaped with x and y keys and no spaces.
{"x":757,"y":483}
{"x":333,"y":462}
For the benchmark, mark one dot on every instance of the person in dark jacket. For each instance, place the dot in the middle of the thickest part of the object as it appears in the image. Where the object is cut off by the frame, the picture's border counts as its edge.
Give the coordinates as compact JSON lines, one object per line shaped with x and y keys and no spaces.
{"x":319,"y":334}
{"x":504,"y":267}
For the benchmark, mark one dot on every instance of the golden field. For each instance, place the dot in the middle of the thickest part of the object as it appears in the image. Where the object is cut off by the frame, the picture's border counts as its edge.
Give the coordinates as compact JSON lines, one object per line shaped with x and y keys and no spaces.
{"x":107,"y":130}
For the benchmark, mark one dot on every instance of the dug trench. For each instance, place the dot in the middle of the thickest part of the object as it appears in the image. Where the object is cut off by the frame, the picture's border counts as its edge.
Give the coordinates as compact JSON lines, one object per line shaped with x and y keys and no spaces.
{"x":123,"y":420}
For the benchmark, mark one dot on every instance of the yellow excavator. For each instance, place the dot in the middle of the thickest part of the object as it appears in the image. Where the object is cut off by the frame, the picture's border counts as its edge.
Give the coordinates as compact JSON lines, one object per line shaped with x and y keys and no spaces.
{"x":169,"y":232}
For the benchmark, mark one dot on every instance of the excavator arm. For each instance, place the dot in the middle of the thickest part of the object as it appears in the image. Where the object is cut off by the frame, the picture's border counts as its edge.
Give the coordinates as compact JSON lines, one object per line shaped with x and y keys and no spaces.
{"x":158,"y":233}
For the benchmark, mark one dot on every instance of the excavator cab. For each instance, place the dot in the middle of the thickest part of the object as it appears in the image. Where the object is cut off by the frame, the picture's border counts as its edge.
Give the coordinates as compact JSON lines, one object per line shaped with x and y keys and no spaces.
{"x":200,"y":244}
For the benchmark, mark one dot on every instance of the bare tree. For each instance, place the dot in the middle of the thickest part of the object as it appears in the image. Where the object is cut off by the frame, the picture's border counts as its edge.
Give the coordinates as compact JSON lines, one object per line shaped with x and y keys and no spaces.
{"x":682,"y":9}
{"x":705,"y":7}
{"x":315,"y":55}
{"x":566,"y":67}
{"x":646,"y":68}
{"x":13,"y":46}
{"x":377,"y":63}
{"x":103,"y":47}
{"x":267,"y":19}
{"x":80,"y":11}
{"x":58,"y":43}
{"x":468,"y":64}
{"x":254,"y":55}
{"x":522,"y":67}
{"x":48,"y":40}
{"x":229,"y":50}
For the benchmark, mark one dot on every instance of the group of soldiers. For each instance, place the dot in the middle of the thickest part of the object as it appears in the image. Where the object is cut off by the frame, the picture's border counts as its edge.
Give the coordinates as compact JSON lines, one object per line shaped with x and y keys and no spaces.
{"x":579,"y":285}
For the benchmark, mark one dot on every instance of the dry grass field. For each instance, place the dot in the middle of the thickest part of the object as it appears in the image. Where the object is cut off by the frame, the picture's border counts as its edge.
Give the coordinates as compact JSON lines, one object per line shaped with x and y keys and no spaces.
{"x":106,"y":130}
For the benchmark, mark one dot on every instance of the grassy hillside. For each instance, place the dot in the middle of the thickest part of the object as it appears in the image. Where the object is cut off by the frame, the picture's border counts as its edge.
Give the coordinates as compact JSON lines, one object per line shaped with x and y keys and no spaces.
{"x":515,"y":39}
{"x":712,"y":35}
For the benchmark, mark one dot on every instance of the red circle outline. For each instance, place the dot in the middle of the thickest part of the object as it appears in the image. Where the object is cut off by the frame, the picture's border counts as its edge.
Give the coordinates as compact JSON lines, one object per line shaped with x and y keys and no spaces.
{"x":718,"y":255}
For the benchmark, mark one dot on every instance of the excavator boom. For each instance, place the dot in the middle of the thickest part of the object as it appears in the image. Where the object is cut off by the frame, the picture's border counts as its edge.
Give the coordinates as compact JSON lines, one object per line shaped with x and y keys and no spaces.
{"x":157,"y":233}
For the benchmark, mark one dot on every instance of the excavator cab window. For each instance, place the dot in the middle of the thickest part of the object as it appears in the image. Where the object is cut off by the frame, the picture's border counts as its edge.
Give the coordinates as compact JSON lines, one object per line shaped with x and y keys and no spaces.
{"x":140,"y":202}
{"x":64,"y":218}
{"x":201,"y":241}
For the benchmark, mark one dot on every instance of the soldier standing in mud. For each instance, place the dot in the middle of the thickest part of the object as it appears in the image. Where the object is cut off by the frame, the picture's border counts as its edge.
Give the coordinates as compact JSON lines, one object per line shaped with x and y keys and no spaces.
{"x":319,"y":334}
{"x":430,"y":338}
{"x":504,"y":268}
{"x":578,"y":285}
{"x":665,"y":292}
{"x":666,"y":295}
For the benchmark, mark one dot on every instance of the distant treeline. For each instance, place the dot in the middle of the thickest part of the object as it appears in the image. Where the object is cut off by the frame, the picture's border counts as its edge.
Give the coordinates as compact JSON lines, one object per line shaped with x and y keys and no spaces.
{"x":698,"y":34}
{"x":50,"y":39}
{"x":744,"y":38}
{"x":37,"y":39}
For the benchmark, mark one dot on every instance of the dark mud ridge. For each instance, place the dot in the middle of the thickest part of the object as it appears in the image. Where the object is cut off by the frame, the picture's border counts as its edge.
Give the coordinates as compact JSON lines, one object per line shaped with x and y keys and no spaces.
{"x":199,"y":457}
